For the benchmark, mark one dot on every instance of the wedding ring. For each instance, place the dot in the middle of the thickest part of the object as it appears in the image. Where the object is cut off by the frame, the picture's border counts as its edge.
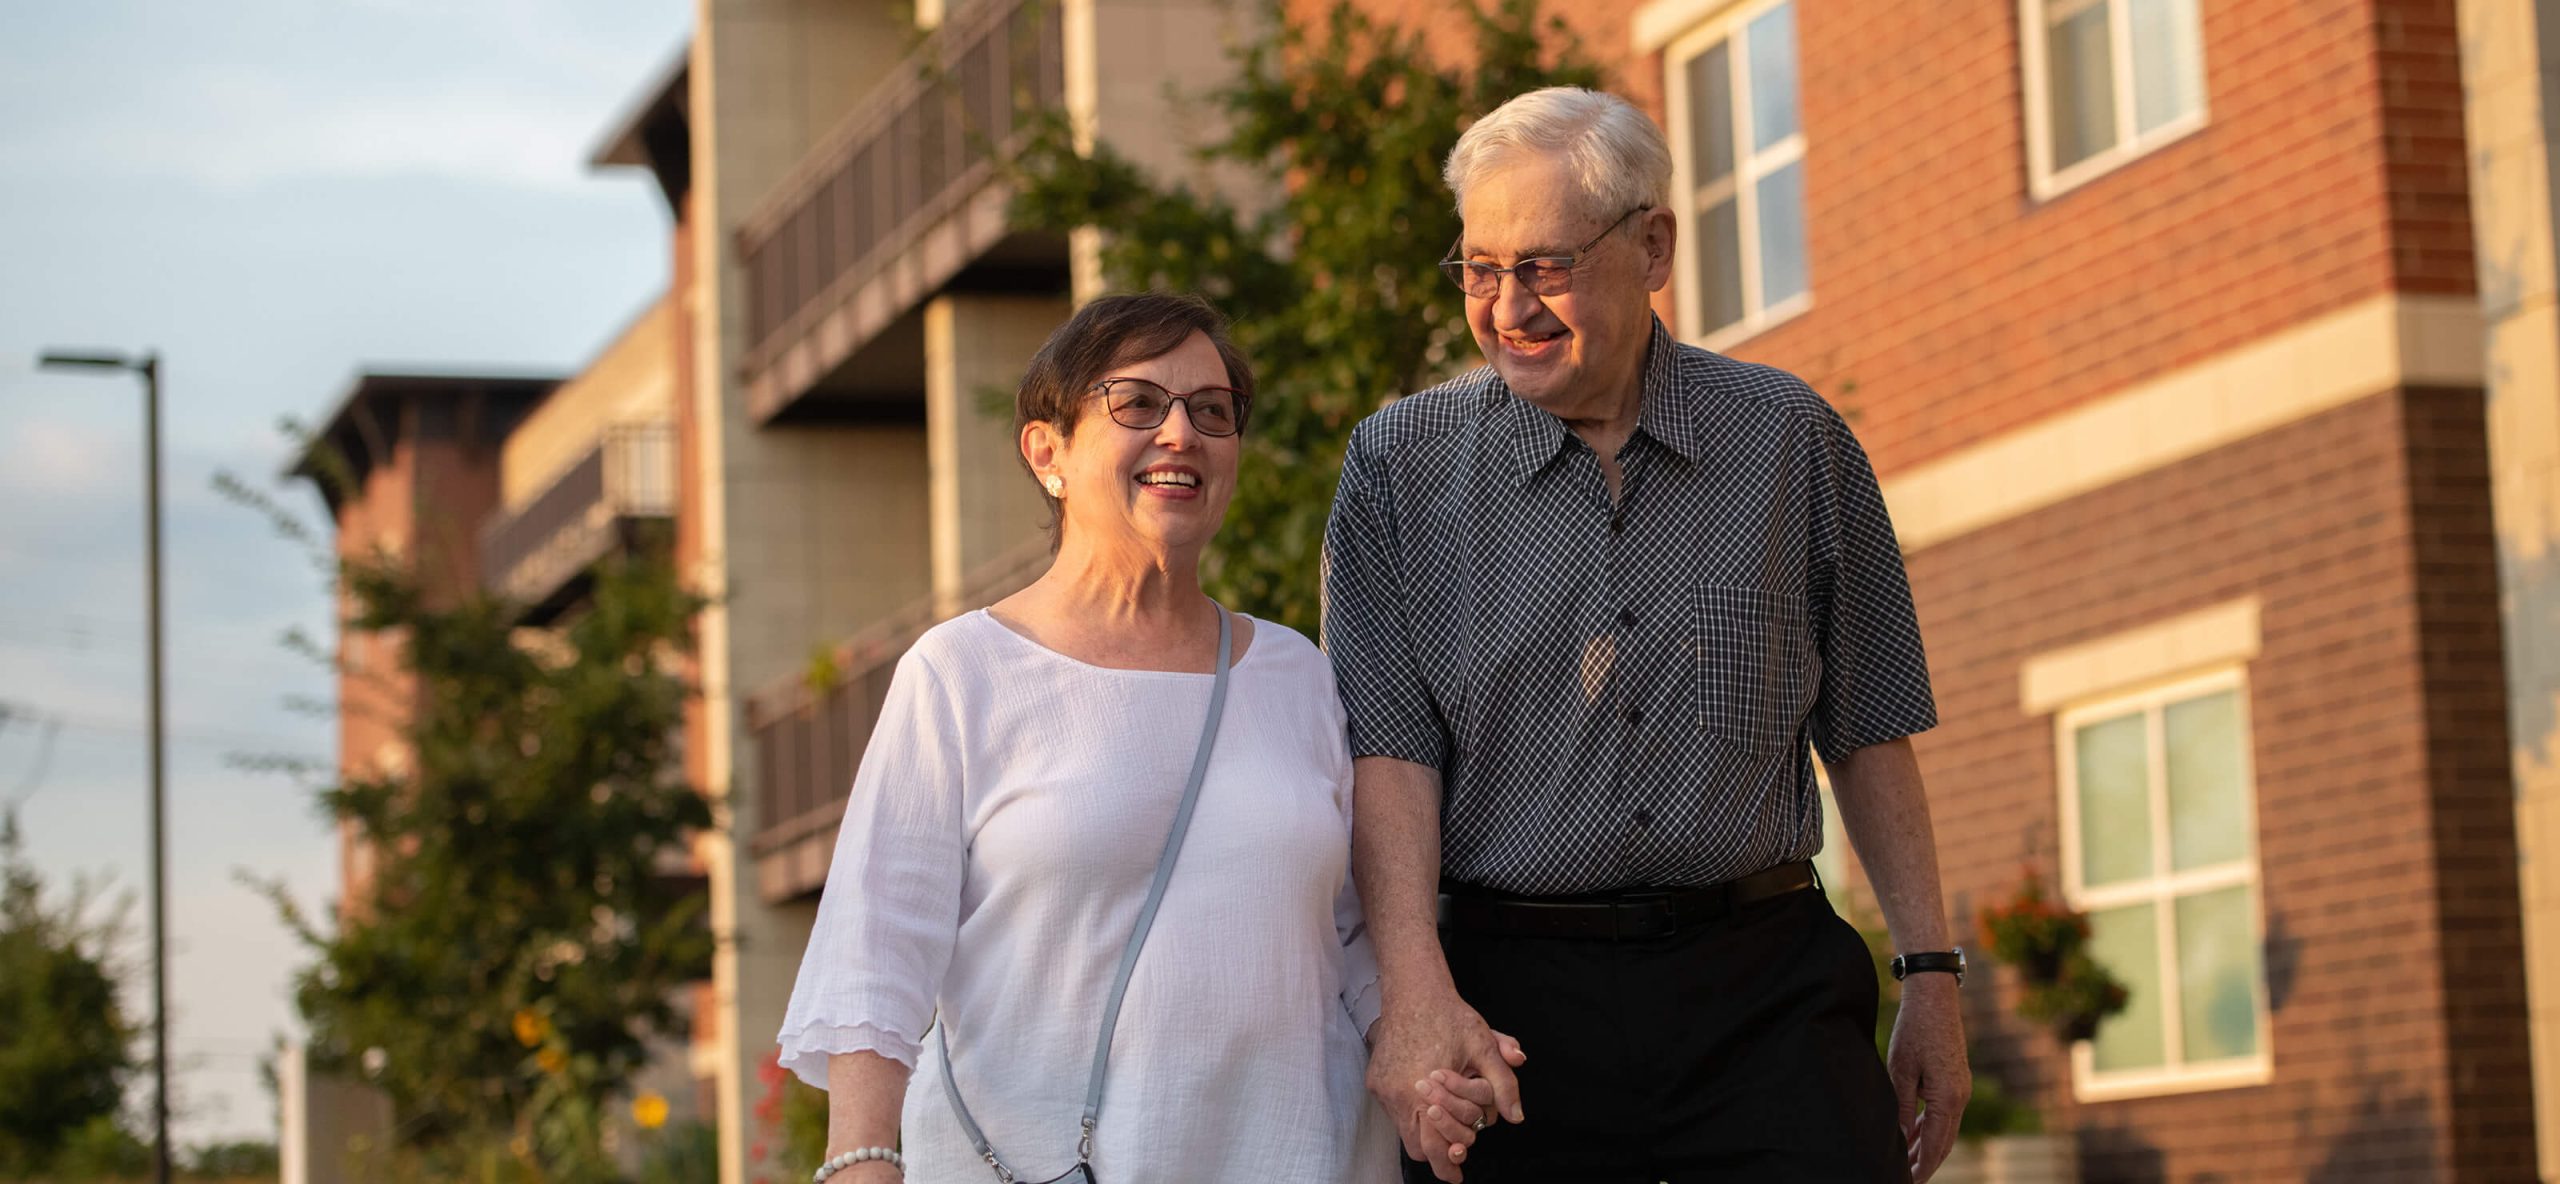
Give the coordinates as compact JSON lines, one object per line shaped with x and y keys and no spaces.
{"x":1480,"y":1125}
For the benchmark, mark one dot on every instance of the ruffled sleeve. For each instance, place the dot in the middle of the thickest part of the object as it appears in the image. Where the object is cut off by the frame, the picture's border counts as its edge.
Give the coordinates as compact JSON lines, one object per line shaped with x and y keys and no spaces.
{"x":891,"y":909}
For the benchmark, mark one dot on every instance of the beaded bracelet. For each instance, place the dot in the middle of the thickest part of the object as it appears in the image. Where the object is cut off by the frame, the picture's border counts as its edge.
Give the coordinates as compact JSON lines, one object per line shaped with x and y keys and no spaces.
{"x":859,"y":1155}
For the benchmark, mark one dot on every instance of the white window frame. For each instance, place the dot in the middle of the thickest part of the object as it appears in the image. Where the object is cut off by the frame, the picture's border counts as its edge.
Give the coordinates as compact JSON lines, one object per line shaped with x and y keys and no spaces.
{"x":2035,"y":20}
{"x":2163,"y":888}
{"x":1749,"y":166}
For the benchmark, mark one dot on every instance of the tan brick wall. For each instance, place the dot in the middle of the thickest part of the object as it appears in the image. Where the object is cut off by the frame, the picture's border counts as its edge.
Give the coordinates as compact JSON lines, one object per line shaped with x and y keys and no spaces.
{"x":2391,"y":920}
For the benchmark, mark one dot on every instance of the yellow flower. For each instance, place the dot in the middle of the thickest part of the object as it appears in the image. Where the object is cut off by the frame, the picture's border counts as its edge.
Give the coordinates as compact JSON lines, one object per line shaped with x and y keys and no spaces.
{"x":649,"y":1110}
{"x":552,"y":1060}
{"x":531,"y":1027}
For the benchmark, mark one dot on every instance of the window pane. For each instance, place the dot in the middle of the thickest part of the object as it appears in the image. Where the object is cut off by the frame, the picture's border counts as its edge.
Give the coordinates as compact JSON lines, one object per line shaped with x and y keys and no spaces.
{"x":2113,"y":760}
{"x":2127,"y":941}
{"x":1782,"y":264}
{"x":1719,"y":266}
{"x":1771,"y":42}
{"x":2082,"y":85}
{"x":2168,"y":62}
{"x":1711,"y":114}
{"x":2208,"y":791}
{"x":2217,"y":975}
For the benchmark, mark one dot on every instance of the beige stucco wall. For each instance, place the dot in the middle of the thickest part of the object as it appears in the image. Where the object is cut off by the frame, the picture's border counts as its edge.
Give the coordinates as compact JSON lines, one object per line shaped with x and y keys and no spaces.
{"x":806,"y":531}
{"x":2510,"y":62}
{"x":632,"y":381}
{"x":984,"y":506}
{"x":1137,"y":72}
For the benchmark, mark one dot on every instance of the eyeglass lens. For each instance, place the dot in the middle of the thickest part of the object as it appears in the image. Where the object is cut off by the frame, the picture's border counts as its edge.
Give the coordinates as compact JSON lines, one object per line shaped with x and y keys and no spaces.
{"x":1138,"y":403}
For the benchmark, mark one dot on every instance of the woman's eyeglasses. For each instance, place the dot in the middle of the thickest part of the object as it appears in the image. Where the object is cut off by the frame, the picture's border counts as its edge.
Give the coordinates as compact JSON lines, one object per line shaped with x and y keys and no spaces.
{"x":1138,"y":403}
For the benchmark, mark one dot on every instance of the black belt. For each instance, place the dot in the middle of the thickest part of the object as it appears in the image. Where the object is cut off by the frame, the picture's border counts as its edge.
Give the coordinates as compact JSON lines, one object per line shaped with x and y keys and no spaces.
{"x":1635,"y":915}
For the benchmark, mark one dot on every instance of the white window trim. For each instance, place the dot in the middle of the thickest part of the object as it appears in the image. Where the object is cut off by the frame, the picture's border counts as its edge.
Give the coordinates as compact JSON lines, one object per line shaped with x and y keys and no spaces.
{"x":1749,"y":167}
{"x":2043,"y":182}
{"x":2162,"y":888}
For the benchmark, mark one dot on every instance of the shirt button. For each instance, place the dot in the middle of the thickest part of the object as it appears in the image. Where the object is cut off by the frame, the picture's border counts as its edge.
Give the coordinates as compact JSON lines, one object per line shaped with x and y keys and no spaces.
{"x":1618,"y":522}
{"x":1644,"y":818}
{"x":1626,"y":618}
{"x":1635,"y":715}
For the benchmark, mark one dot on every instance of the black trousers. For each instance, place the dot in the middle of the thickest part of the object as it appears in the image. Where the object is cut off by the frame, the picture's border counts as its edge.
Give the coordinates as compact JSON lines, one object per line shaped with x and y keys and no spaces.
{"x":1740,"y":1050}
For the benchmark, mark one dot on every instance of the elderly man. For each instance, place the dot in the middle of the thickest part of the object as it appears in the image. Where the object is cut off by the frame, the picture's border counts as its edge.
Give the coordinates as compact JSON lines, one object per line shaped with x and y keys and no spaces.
{"x":1587,"y":606}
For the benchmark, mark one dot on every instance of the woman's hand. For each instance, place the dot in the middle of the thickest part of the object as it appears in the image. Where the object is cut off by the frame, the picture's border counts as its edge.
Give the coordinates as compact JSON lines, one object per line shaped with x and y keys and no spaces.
{"x":1457,"y":1107}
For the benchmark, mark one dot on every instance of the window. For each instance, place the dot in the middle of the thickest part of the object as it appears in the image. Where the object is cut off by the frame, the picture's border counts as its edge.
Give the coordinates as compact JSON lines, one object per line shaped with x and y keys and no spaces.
{"x":2107,"y":80}
{"x":1738,"y":150}
{"x":2160,"y":849}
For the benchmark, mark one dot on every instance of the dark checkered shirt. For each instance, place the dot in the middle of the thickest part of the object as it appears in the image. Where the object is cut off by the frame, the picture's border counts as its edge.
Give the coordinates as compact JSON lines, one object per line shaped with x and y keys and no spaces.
{"x":1620,"y":696}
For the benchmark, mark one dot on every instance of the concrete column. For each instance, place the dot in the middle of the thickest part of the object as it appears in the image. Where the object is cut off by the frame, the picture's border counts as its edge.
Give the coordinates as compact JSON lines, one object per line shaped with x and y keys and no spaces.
{"x":769,"y":79}
{"x":2510,"y":75}
{"x":975,"y":348}
{"x":1137,"y":75}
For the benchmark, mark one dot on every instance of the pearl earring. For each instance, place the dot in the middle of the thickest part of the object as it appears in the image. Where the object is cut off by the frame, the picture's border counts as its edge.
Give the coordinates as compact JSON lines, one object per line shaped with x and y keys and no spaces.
{"x":1055,"y":486}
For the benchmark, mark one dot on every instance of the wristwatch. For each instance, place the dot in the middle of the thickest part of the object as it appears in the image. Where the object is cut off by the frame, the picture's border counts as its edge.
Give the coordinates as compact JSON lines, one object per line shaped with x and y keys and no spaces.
{"x":1944,"y":961}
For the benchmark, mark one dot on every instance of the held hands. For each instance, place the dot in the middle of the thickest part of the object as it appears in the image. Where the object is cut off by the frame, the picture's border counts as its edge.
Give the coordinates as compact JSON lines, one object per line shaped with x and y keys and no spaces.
{"x":1927,"y":1063}
{"x":1444,"y":1076}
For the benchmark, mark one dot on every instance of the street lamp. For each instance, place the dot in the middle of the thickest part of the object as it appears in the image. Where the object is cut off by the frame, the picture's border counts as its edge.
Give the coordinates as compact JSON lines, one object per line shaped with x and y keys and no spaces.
{"x":148,"y":366}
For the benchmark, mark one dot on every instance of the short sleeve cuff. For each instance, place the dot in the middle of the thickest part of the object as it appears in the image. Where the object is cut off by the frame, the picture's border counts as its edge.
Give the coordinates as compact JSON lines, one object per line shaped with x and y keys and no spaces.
{"x":1419,"y":745}
{"x":805,"y":1049}
{"x":1835,"y":743}
{"x":1364,"y":1003}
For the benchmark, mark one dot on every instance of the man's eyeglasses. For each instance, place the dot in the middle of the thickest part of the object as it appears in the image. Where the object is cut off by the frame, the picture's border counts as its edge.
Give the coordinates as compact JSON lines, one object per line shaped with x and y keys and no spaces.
{"x":1546,"y":275}
{"x":1138,"y":403}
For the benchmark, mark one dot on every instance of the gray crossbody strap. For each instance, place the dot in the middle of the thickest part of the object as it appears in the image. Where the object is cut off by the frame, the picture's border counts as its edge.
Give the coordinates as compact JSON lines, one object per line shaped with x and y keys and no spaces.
{"x":1137,"y":936}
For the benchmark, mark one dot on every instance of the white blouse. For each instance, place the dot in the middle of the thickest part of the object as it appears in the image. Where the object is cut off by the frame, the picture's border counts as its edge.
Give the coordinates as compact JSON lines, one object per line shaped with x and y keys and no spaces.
{"x":995,"y":851}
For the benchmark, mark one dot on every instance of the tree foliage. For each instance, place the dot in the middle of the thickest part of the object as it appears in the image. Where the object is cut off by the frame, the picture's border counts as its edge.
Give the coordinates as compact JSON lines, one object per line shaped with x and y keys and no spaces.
{"x":519,"y":937}
{"x":65,"y":1043}
{"x":1333,"y":289}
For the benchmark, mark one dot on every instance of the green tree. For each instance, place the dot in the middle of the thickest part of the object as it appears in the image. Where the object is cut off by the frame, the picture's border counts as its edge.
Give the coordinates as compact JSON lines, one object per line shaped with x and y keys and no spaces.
{"x":1334,"y":290}
{"x":233,"y":1159}
{"x":65,"y":1044}
{"x":520,"y":936}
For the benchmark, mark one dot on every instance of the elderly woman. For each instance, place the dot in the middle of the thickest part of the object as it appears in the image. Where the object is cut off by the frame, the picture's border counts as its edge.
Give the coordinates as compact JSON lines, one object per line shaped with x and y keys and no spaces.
{"x":1003,"y":838}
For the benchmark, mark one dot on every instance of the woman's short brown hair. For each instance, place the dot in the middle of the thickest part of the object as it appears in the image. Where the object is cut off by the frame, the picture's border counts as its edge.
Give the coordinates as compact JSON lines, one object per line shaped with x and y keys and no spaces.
{"x":1108,"y":333}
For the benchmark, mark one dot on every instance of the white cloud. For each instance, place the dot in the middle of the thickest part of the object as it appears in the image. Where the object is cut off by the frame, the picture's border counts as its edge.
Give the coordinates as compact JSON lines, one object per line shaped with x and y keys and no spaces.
{"x":239,"y":129}
{"x":48,"y":458}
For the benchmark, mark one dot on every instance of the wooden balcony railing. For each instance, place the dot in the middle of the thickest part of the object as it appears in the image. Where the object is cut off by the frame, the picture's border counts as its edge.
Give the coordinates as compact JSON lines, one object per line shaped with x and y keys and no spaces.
{"x":920,"y":150}
{"x":808,"y":738}
{"x":530,"y":555}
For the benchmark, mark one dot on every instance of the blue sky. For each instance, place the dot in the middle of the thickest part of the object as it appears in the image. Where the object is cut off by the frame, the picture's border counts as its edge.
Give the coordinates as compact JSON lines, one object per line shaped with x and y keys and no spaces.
{"x":275,"y":194}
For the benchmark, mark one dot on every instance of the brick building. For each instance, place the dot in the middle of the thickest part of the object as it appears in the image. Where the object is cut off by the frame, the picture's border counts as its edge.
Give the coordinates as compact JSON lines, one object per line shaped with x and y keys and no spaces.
{"x":2162,"y":325}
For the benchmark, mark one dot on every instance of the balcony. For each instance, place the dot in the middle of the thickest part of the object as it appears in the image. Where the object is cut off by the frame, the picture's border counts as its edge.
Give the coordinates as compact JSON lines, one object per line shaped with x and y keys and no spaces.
{"x":895,"y":204}
{"x":808,"y":734}
{"x":536,"y":555}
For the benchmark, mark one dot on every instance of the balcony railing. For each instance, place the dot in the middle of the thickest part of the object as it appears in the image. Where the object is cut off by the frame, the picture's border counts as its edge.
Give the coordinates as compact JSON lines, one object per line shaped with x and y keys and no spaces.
{"x":809,"y":734}
{"x":908,"y":158}
{"x":530,"y":555}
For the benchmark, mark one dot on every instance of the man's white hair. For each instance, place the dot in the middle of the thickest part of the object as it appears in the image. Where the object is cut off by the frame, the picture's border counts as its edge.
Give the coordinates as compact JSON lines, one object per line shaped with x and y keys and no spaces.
{"x":1617,"y":157}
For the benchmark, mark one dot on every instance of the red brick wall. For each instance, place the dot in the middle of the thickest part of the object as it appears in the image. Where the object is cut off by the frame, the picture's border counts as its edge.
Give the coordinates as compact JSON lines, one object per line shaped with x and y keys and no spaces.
{"x":2454,"y":552}
{"x":425,"y":502}
{"x":2386,"y":841}
{"x":1950,"y":305}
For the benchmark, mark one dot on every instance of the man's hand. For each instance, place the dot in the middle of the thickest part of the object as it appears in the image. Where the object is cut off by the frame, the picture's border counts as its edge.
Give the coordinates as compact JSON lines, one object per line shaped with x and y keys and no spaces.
{"x":1930,"y":1077}
{"x":1438,"y":1070}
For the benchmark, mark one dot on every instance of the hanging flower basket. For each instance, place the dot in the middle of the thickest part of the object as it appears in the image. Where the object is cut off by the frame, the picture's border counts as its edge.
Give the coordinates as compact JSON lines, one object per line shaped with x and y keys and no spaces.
{"x":2065,"y":988}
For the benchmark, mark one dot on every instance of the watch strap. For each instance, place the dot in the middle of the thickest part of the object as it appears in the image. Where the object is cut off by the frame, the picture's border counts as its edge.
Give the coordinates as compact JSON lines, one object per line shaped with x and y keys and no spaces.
{"x":1941,"y":961}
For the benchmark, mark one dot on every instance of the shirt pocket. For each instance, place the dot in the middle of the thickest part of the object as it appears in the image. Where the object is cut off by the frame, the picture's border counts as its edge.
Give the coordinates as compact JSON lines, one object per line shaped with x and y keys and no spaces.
{"x":1750,"y":664}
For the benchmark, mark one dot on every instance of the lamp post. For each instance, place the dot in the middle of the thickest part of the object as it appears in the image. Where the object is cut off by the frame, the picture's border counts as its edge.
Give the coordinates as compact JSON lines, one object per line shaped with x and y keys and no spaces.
{"x":148,"y":366}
